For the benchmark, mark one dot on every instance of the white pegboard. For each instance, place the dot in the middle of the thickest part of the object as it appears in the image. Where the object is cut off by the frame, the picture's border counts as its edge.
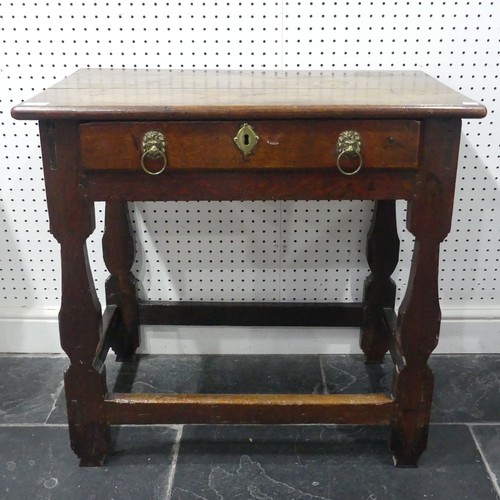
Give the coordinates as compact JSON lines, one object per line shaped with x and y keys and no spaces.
{"x":273,"y":251}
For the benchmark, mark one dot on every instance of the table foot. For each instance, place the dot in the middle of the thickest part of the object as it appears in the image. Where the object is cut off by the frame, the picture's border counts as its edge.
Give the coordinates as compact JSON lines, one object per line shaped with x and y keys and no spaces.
{"x":89,"y":431}
{"x":406,"y":452}
{"x":94,"y":449}
{"x":413,"y":389}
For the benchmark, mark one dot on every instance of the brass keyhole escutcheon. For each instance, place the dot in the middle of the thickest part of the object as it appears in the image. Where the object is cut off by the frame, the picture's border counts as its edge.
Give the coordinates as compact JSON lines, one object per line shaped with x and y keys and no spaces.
{"x":246,"y":139}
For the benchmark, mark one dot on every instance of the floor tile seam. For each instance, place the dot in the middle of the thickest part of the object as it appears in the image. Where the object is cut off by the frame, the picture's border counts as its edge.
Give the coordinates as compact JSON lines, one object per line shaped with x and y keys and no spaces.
{"x":32,"y":355}
{"x":173,"y":465}
{"x":485,"y":424}
{"x":492,"y":476}
{"x":63,"y":355}
{"x":177,"y":426}
{"x":472,"y":424}
{"x":323,"y":374}
{"x":55,"y":397}
{"x":31,"y":425}
{"x":44,"y":424}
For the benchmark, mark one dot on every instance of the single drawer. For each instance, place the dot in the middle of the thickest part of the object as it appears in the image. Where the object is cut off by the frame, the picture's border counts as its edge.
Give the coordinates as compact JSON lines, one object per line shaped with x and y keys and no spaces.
{"x":292,"y":144}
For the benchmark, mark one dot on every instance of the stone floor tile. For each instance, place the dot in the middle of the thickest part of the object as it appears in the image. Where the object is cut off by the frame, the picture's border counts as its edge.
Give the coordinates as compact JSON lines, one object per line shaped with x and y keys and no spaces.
{"x":323,"y":463}
{"x":29,"y":387}
{"x":37,"y":462}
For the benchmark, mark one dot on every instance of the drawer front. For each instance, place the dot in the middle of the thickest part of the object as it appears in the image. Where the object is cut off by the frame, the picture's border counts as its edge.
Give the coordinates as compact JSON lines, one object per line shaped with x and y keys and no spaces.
{"x":293,"y":144}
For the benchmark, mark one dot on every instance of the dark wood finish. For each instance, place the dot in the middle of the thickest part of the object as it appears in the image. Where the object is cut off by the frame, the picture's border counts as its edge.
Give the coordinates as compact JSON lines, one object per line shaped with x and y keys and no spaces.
{"x":389,"y":324}
{"x":80,"y":324}
{"x":380,"y":290}
{"x":110,"y":321}
{"x":428,"y":219}
{"x":250,"y":314}
{"x":391,"y":144}
{"x":91,"y":128}
{"x":325,"y":184}
{"x":119,"y":253}
{"x":367,"y":409}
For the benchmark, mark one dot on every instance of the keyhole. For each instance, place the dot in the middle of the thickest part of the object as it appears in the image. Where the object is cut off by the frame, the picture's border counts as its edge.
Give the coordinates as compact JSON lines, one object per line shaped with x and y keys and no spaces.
{"x":246,"y":139}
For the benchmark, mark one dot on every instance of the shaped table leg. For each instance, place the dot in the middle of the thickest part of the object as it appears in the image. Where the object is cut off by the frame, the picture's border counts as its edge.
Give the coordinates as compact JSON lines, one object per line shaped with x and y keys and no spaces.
{"x":80,"y":322}
{"x":119,"y":254}
{"x":428,"y":219}
{"x":380,"y":289}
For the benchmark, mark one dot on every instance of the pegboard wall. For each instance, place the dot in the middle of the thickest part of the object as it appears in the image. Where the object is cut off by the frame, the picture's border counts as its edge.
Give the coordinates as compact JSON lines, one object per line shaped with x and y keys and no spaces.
{"x":273,"y":251}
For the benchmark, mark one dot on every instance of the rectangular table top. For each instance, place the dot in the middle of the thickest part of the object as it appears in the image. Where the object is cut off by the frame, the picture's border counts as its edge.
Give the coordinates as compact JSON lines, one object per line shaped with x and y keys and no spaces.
{"x":162,"y":94}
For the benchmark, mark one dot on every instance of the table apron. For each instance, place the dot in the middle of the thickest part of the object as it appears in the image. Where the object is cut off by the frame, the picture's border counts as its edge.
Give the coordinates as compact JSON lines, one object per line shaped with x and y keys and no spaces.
{"x":321,"y":184}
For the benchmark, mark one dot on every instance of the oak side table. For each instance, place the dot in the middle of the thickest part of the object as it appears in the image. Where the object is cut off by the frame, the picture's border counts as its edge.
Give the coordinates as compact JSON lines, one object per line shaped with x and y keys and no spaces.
{"x":119,"y":136}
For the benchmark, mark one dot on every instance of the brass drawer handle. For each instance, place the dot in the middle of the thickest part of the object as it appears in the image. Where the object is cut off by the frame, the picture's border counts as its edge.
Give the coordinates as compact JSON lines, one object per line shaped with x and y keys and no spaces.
{"x":349,"y":146}
{"x":154,"y":146}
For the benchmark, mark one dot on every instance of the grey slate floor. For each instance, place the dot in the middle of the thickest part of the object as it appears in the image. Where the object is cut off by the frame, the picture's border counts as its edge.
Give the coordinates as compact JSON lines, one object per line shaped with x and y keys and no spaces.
{"x":302,"y":462}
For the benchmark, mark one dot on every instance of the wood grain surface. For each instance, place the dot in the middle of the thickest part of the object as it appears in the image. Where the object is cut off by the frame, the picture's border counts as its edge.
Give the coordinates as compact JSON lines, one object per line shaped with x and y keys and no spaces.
{"x":101,"y":94}
{"x":282,"y":144}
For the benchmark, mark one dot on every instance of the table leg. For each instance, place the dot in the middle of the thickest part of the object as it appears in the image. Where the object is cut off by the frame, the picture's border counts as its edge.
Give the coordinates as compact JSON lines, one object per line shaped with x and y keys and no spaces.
{"x":119,"y":254}
{"x":380,"y":289}
{"x":416,"y":337}
{"x":80,"y":322}
{"x":428,"y":219}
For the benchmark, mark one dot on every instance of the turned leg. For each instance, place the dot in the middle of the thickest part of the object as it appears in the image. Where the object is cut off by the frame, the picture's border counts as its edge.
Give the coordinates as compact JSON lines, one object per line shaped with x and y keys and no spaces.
{"x":380,"y":289}
{"x":119,"y":253}
{"x":80,"y":325}
{"x":428,"y":219}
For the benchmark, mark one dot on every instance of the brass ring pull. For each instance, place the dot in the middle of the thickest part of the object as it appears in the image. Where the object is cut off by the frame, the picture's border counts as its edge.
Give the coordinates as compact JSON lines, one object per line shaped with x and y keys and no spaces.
{"x":357,"y":169}
{"x":349,"y":146}
{"x":158,"y":172}
{"x":154,"y":146}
